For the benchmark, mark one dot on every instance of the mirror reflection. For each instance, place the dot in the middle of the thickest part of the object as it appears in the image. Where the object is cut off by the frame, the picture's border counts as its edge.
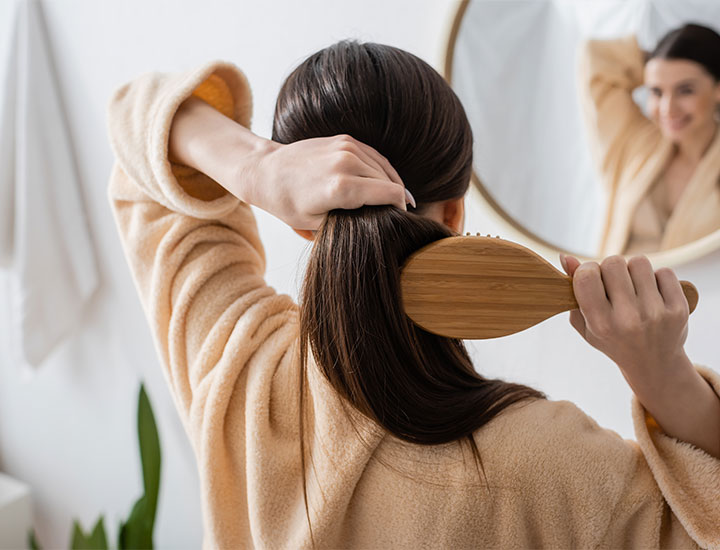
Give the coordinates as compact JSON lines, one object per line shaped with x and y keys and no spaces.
{"x":595,"y":124}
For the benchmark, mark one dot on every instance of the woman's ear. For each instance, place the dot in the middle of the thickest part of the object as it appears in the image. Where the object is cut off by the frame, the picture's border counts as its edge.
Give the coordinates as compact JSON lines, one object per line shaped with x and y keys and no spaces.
{"x":306,"y":234}
{"x":454,"y":214}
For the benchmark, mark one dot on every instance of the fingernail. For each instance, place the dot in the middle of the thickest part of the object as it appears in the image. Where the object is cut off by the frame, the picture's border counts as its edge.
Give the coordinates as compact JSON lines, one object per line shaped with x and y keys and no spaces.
{"x":562,"y":261}
{"x":410,"y":198}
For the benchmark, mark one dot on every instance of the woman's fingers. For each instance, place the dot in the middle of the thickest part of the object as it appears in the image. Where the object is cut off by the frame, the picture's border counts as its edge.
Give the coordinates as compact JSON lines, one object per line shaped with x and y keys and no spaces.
{"x":380,"y":161}
{"x":569,"y":263}
{"x":645,"y":283}
{"x":361,"y":168}
{"x":364,"y":170}
{"x":590,"y":293}
{"x":361,"y":191}
{"x":379,"y":165}
{"x":617,"y":281}
{"x":379,"y":192}
{"x":671,"y":291}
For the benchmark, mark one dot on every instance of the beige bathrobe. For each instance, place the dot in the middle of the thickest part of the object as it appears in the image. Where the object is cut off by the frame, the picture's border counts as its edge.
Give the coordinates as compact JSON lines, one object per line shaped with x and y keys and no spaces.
{"x":632,"y":154}
{"x":228,"y":346}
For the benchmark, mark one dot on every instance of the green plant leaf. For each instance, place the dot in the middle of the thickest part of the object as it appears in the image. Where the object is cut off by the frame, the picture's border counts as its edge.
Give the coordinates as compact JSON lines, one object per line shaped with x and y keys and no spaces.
{"x":137,"y":531}
{"x":32,"y":540}
{"x":97,"y":540}
{"x":121,"y":536}
{"x":149,"y":451}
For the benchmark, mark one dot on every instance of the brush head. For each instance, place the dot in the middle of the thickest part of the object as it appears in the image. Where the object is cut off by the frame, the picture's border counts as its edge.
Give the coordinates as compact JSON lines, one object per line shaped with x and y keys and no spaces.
{"x":484,"y":287}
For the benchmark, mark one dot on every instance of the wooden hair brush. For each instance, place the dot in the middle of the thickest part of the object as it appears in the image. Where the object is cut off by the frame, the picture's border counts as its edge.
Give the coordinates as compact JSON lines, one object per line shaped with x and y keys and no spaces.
{"x":484,"y":287}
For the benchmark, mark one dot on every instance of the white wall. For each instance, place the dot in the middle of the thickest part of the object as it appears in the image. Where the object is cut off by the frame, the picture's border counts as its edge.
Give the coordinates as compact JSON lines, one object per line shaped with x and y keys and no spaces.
{"x":68,"y":428}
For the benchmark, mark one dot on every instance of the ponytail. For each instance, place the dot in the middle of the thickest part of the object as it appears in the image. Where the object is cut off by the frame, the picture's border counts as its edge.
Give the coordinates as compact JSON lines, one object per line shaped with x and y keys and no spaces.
{"x":420,"y":387}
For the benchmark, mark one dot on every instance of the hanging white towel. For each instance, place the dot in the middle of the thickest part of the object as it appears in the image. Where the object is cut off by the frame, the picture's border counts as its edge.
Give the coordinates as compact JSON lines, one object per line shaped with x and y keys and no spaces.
{"x":44,"y":238}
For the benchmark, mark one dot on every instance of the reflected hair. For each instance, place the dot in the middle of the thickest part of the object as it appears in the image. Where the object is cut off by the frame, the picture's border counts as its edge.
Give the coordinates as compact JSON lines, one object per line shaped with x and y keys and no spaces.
{"x":420,"y":387}
{"x":691,"y":42}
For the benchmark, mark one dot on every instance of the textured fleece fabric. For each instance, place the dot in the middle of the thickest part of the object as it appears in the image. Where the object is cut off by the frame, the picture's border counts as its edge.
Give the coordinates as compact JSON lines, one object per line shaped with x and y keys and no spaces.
{"x":228,"y":344}
{"x":632,"y":153}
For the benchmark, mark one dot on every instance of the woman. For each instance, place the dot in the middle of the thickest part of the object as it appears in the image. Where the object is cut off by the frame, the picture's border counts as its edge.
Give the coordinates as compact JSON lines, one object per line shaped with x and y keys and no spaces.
{"x":663,"y":172}
{"x":339,"y":423}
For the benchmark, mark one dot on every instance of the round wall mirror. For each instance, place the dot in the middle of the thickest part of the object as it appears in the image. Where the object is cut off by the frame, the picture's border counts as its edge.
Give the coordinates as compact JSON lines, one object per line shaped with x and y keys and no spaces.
{"x":560,"y":153}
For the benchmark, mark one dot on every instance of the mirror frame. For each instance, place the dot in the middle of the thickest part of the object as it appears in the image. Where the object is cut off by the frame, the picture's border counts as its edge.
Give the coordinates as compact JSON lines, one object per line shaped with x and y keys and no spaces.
{"x":512,"y":228}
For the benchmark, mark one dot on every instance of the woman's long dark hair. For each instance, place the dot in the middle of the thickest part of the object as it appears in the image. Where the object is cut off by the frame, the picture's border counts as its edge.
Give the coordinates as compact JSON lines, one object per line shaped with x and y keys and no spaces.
{"x":420,"y":387}
{"x":692,"y":42}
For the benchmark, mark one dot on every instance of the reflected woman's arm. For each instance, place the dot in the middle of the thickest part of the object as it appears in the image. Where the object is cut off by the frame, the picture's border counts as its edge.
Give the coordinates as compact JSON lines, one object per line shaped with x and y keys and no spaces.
{"x":609,"y":71}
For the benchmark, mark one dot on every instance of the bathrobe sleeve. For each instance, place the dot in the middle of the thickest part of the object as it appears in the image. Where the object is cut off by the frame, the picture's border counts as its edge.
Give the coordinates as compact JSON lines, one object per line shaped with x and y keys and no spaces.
{"x":688,"y":477}
{"x":195,"y":254}
{"x":609,"y":71}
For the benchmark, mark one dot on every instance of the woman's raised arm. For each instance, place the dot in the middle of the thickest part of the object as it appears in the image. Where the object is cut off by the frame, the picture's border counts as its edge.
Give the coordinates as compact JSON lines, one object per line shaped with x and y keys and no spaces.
{"x":298,"y":183}
{"x":638,"y":318}
{"x":608,"y":72}
{"x":184,"y":155}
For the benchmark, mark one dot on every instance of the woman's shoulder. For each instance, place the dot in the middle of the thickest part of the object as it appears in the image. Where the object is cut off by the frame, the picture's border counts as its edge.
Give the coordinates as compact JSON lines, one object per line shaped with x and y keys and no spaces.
{"x":563,"y":460}
{"x":560,"y":439}
{"x":547,"y":420}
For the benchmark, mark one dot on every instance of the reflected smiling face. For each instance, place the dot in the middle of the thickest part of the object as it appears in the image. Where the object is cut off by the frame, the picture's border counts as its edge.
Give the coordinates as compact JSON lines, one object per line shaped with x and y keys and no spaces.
{"x":684,"y":97}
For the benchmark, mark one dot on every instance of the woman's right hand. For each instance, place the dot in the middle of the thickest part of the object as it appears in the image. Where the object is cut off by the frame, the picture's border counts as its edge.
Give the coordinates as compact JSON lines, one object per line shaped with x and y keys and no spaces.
{"x":302,"y":181}
{"x":299,"y":182}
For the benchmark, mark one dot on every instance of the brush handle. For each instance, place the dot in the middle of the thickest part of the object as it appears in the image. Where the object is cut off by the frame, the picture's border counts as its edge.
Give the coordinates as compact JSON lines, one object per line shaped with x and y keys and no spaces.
{"x":691,"y":294}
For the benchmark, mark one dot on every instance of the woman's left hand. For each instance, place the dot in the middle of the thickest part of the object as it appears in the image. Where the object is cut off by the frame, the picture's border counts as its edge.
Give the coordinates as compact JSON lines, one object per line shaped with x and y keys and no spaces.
{"x":639,"y":318}
{"x":636,"y":316}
